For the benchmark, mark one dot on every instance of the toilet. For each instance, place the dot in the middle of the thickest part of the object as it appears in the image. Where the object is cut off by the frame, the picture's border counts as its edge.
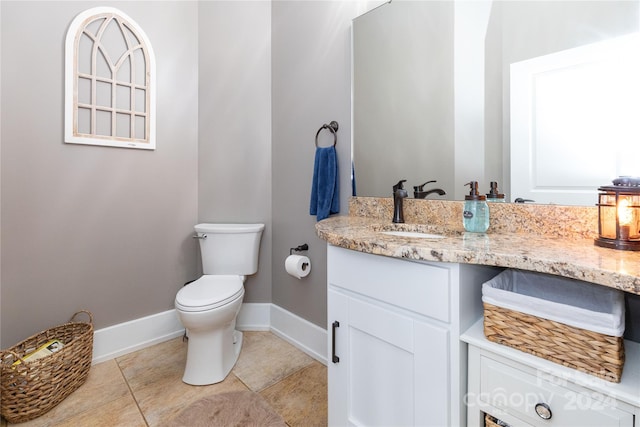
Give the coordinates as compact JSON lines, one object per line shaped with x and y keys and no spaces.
{"x":208,"y":307}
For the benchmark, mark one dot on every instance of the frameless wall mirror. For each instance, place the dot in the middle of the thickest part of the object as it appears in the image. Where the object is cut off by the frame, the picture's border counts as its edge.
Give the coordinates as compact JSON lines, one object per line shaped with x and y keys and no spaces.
{"x":110,"y":81}
{"x":432,"y":94}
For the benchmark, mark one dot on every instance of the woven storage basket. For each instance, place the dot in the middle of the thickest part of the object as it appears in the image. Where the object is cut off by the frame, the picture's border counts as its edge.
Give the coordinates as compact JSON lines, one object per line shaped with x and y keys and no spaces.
{"x":30,"y":389}
{"x":591,"y":352}
{"x":570,"y":322}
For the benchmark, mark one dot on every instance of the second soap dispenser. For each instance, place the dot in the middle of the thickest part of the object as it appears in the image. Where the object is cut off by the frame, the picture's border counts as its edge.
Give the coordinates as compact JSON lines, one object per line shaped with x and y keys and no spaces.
{"x":475,"y":216}
{"x":493,"y":195}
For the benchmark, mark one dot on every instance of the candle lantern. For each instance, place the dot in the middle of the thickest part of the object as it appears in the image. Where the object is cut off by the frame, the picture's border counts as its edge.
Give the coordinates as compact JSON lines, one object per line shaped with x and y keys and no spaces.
{"x":619,"y":215}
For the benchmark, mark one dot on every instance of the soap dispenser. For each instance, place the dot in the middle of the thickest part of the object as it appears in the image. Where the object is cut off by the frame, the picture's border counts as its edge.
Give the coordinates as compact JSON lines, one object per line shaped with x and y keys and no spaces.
{"x":475,"y":216}
{"x":493,"y":195}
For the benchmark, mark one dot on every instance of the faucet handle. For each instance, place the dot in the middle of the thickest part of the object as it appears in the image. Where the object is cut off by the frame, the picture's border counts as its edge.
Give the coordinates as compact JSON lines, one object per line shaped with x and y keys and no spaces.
{"x":399,"y":185}
{"x":521,"y":200}
{"x":421,"y":187}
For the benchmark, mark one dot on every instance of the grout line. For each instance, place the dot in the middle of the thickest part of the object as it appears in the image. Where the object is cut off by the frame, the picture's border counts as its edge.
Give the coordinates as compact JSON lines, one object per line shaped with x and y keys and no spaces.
{"x":133,"y":395}
{"x":260,"y":393}
{"x":291,"y":374}
{"x":285,"y":378}
{"x":242,"y":382}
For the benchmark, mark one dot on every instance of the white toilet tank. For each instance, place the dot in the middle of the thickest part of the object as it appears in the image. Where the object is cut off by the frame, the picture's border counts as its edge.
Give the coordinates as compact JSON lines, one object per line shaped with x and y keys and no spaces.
{"x":229,"y":248}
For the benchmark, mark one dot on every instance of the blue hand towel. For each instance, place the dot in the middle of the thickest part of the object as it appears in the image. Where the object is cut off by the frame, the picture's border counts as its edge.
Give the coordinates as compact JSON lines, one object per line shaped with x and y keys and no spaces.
{"x":325,"y":194}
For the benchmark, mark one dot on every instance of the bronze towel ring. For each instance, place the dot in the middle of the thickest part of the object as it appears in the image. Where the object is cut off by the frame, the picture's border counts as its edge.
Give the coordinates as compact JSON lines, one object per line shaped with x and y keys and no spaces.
{"x":333,"y":127}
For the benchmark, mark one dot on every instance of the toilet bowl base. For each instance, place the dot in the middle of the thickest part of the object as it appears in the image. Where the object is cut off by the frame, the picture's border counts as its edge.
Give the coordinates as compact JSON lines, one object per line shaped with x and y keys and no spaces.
{"x":211,"y":358}
{"x":214,"y":344}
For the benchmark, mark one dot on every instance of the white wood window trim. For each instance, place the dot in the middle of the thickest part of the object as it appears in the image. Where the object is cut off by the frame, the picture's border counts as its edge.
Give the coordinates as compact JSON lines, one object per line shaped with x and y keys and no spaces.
{"x":72,"y":74}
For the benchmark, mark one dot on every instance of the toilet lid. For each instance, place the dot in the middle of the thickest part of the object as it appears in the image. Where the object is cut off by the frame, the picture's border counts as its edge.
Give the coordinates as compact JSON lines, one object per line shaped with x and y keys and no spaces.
{"x":209,"y":292}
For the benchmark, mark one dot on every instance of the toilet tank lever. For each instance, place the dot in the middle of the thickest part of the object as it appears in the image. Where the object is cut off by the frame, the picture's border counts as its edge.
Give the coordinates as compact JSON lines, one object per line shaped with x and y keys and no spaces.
{"x":198,"y":236}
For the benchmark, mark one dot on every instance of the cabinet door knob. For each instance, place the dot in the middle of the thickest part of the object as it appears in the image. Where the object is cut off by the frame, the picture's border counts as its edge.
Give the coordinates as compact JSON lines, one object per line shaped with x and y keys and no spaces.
{"x":543,"y":410}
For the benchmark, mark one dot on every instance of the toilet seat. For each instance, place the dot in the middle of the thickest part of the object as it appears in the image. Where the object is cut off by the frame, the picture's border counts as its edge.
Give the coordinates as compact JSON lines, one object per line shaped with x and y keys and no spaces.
{"x":209,"y":292}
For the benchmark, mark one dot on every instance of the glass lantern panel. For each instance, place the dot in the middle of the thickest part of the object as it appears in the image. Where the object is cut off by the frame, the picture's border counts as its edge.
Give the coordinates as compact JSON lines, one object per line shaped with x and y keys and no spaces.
{"x":608,"y":199}
{"x":608,"y":221}
{"x":628,"y":216}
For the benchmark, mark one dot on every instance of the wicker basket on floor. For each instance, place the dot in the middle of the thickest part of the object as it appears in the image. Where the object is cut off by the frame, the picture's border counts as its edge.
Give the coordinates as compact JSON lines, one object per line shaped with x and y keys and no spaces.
{"x":591,"y":352}
{"x":30,"y":389}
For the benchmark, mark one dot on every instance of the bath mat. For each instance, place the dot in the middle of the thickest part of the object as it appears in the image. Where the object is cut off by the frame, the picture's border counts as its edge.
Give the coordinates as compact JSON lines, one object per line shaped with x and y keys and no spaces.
{"x":237,"y":409}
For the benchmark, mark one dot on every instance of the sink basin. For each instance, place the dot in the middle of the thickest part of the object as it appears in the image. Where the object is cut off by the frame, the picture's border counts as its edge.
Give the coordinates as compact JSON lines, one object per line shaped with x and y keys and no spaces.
{"x":415,"y":234}
{"x":416,"y":231}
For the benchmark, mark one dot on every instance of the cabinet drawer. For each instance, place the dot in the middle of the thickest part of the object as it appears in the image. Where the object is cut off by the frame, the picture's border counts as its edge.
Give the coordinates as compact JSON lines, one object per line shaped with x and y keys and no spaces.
{"x":518,"y":393}
{"x":421,"y":288}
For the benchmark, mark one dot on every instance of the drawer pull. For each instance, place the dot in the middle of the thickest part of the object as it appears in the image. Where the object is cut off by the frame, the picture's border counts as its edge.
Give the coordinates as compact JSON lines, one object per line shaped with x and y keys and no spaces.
{"x":543,"y":411}
{"x":334,"y":357}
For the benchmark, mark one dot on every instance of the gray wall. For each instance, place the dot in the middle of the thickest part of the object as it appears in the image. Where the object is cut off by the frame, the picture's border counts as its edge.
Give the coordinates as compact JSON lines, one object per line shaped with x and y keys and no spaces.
{"x":105,"y":229}
{"x":242,"y":89}
{"x":310,"y":87}
{"x":234,"y":109}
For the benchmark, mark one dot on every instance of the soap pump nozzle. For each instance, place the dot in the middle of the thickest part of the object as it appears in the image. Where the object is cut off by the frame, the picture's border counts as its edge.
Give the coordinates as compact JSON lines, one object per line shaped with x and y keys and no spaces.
{"x":473,"y":192}
{"x":494,"y":194}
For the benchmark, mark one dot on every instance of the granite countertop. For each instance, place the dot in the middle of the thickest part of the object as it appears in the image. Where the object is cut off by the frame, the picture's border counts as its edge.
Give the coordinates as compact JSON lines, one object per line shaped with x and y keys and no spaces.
{"x":575,"y":258}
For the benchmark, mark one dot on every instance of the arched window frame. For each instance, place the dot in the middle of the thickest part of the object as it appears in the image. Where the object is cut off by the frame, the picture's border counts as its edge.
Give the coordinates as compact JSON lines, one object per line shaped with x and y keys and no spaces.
{"x":82,"y":133}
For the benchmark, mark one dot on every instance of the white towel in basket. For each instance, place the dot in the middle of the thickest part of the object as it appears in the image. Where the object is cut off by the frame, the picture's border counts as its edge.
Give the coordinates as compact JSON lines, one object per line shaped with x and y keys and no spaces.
{"x":572,"y":302}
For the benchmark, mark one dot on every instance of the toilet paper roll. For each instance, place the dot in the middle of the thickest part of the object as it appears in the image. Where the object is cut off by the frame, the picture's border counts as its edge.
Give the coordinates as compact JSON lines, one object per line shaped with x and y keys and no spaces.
{"x":298,"y":266}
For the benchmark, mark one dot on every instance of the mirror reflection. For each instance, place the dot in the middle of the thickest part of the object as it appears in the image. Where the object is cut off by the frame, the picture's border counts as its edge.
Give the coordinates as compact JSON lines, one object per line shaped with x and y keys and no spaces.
{"x":432,"y":97}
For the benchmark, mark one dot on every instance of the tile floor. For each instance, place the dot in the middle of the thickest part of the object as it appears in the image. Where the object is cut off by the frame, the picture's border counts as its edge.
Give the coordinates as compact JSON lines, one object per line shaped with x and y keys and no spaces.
{"x":145,"y":388}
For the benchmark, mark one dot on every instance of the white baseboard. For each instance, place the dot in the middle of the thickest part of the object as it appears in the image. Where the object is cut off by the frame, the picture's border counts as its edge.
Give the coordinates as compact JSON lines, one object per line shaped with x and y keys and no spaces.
{"x":123,"y":338}
{"x":254,"y":317}
{"x":118,"y":340}
{"x":303,"y":334}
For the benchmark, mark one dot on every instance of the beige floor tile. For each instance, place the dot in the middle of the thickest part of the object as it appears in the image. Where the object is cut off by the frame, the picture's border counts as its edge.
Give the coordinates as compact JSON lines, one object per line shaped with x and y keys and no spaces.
{"x":164,"y":402}
{"x":154,"y":365}
{"x":266,"y":359}
{"x":121,"y":412}
{"x":301,"y":399}
{"x":155,"y":386}
{"x":104,"y":384}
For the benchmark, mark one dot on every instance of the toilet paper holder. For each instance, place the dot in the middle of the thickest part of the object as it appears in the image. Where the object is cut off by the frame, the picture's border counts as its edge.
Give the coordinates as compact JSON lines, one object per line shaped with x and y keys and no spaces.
{"x":298,"y":266}
{"x":303,"y":247}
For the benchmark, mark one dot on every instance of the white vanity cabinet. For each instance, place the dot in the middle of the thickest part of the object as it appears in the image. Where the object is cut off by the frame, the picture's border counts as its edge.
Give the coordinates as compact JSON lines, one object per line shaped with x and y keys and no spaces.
{"x":524,"y":390}
{"x":394,"y":328}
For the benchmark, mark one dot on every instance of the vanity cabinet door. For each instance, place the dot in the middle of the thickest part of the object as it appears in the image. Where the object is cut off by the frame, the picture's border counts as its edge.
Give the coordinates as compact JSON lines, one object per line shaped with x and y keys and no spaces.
{"x":387,"y":367}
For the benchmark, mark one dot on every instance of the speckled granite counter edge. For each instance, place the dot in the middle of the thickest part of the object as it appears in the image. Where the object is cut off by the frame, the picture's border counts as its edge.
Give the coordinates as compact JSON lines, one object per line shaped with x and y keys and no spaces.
{"x":528,"y":242}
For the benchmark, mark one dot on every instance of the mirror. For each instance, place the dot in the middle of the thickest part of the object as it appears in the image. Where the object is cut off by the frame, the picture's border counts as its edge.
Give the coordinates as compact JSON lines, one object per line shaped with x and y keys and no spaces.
{"x":431,"y":87}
